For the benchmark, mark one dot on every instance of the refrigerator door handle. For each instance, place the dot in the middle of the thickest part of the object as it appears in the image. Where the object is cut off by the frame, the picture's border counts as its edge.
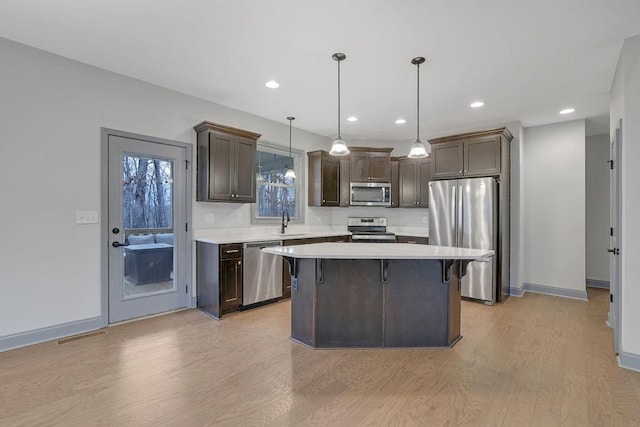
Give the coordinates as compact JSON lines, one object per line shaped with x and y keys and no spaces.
{"x":454,"y":205}
{"x":460,"y":219}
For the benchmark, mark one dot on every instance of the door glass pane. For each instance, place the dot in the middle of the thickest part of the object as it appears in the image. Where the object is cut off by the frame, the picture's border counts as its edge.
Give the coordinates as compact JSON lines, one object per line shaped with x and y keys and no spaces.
{"x":147,"y":203}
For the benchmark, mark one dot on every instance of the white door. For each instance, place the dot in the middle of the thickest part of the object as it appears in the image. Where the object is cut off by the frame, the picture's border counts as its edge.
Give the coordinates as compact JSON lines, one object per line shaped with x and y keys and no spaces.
{"x":147,"y":211}
{"x":614,"y":240}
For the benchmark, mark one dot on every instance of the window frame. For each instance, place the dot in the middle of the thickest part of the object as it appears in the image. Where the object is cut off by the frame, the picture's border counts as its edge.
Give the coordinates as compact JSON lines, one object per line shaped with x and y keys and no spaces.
{"x":299,"y":167}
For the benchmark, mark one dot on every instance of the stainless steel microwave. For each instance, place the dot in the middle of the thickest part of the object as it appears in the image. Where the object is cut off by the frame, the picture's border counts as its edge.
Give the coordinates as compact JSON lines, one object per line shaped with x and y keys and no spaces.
{"x":370,"y":194}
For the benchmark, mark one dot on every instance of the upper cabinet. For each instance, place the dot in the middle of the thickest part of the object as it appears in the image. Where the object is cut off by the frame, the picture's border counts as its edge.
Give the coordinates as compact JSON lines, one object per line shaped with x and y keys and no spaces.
{"x":413,"y":182}
{"x":370,"y":164}
{"x":324,"y":179}
{"x":470,"y":154}
{"x":226,"y":164}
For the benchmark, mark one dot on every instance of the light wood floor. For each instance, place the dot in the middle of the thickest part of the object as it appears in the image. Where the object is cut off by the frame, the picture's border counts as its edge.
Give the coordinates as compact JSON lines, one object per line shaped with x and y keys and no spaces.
{"x":535,"y":360}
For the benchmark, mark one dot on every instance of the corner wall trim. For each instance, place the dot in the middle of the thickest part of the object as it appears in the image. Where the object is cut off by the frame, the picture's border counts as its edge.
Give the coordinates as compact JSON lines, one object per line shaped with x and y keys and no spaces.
{"x":555,"y":291}
{"x":516,"y":292}
{"x":603,"y":284}
{"x":629,"y":361}
{"x":38,"y":336}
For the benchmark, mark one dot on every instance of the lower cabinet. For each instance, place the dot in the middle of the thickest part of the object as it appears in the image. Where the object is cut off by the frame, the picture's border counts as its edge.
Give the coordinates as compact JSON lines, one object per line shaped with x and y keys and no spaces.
{"x":219,"y":277}
{"x":411,"y":239}
{"x":286,"y":274}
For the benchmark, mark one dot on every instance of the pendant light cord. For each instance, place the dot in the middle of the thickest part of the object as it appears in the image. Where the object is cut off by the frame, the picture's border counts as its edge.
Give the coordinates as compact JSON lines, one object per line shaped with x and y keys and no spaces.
{"x":290,"y":137}
{"x":339,"y":136}
{"x":418,"y":106}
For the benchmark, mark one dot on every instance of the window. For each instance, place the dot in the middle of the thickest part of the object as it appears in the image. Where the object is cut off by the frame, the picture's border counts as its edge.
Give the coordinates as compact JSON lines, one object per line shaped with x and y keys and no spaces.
{"x":275,"y":192}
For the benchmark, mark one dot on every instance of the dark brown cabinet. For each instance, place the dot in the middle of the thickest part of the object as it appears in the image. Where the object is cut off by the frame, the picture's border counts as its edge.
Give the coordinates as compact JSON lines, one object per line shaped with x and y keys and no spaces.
{"x":219,"y":277}
{"x":286,"y":274}
{"x":226,"y":164}
{"x":324,"y":179}
{"x":395,"y":183}
{"x":469,"y":155}
{"x":370,"y":164}
{"x":345,"y":182}
{"x":413,"y":182}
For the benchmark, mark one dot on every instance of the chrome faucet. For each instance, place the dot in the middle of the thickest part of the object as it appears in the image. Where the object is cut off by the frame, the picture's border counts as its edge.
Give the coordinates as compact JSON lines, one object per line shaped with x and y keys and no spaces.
{"x":284,"y":225}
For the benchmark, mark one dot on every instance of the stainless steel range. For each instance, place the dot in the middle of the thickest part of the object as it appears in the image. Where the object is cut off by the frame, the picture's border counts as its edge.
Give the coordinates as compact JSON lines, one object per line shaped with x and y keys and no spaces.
{"x":369,"y":230}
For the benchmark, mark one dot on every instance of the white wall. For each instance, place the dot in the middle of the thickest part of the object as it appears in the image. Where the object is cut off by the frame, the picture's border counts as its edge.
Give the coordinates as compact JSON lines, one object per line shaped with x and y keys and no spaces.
{"x":554,"y":192}
{"x":597,"y":202}
{"x":51,"y":112}
{"x":625,"y":105}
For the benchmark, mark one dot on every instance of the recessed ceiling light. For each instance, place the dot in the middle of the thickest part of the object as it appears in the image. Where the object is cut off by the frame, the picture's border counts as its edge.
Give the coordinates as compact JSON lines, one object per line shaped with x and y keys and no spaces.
{"x":401,"y":121}
{"x":352,"y":119}
{"x":476,"y":104}
{"x":567,"y":111}
{"x":272,"y":84}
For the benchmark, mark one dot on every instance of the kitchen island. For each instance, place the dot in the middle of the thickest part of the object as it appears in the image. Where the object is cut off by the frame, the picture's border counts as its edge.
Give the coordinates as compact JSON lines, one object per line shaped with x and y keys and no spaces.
{"x":359,"y":295}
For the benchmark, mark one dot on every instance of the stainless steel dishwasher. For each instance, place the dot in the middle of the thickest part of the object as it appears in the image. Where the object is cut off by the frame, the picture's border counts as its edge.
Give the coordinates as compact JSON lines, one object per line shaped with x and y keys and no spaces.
{"x":262,"y":273}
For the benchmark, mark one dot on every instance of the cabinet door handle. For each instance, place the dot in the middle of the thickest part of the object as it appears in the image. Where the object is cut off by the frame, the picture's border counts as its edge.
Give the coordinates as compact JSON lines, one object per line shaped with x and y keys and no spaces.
{"x":411,"y":241}
{"x":232,"y":251}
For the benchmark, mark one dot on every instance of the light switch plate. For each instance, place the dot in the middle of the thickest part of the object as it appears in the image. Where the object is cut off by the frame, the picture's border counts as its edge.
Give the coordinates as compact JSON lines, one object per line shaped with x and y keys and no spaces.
{"x":209,"y":218}
{"x":425,"y":220}
{"x":86,"y":217}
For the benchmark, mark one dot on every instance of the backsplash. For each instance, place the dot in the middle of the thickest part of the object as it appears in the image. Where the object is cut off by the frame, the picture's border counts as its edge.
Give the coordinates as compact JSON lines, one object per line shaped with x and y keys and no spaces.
{"x":238,"y":215}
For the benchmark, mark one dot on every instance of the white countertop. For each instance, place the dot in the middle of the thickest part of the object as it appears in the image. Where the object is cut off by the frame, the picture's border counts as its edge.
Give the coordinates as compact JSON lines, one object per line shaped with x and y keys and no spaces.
{"x":224,"y":238}
{"x":378,"y":251}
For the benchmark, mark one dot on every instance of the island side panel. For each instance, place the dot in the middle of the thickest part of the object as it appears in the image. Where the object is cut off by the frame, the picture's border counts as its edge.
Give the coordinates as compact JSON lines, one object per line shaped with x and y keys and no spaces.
{"x":349,"y":304}
{"x":417,"y":305}
{"x":303,"y":303}
{"x":455,"y":304}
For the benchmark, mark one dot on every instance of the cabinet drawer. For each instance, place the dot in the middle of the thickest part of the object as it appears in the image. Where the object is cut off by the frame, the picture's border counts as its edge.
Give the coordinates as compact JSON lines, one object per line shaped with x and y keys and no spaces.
{"x":233,"y":250}
{"x":411,"y":239}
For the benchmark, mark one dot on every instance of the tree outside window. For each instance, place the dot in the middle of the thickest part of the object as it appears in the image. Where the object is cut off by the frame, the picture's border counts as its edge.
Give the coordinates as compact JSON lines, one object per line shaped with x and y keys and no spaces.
{"x":275,"y":192}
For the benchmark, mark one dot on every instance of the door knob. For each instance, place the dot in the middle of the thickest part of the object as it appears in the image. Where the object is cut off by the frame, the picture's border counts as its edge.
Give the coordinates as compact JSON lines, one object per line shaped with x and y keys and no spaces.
{"x":118,"y":244}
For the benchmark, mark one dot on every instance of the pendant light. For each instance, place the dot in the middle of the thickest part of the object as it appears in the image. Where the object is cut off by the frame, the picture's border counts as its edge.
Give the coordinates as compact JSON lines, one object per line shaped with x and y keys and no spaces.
{"x":339,"y":147}
{"x":418,"y":149}
{"x":290,"y":173}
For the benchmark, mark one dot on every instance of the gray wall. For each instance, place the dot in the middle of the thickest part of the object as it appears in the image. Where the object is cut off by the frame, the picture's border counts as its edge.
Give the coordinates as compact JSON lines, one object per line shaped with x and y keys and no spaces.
{"x":597,"y":208}
{"x":554,"y":191}
{"x":51,"y":113}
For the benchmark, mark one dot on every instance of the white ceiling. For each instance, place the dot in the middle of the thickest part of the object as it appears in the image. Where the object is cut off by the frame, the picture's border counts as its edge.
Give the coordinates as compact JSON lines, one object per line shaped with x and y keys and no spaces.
{"x":526,"y":59}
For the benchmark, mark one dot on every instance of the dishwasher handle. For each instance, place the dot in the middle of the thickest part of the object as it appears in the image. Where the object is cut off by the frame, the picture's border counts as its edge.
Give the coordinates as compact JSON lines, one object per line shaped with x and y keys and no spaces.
{"x":261,"y":245}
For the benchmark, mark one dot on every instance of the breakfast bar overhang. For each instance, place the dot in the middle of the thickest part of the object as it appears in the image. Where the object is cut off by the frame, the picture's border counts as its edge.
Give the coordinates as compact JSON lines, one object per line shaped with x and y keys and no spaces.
{"x":358,"y":295}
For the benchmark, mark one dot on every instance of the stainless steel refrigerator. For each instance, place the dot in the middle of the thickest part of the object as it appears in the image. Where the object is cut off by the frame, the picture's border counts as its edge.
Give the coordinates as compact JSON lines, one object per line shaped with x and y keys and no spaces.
{"x":464,"y":213}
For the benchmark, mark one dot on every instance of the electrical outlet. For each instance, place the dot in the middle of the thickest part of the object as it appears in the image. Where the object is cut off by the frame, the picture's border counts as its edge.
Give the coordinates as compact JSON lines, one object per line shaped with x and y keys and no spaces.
{"x":425,"y":220}
{"x":238,"y":217}
{"x":209,"y":218}
{"x":86,"y":217}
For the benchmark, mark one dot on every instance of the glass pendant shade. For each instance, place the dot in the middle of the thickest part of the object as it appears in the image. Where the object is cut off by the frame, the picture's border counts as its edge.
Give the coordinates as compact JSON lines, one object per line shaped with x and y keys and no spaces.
{"x":418,"y":150}
{"x":290,"y":173}
{"x":339,"y":148}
